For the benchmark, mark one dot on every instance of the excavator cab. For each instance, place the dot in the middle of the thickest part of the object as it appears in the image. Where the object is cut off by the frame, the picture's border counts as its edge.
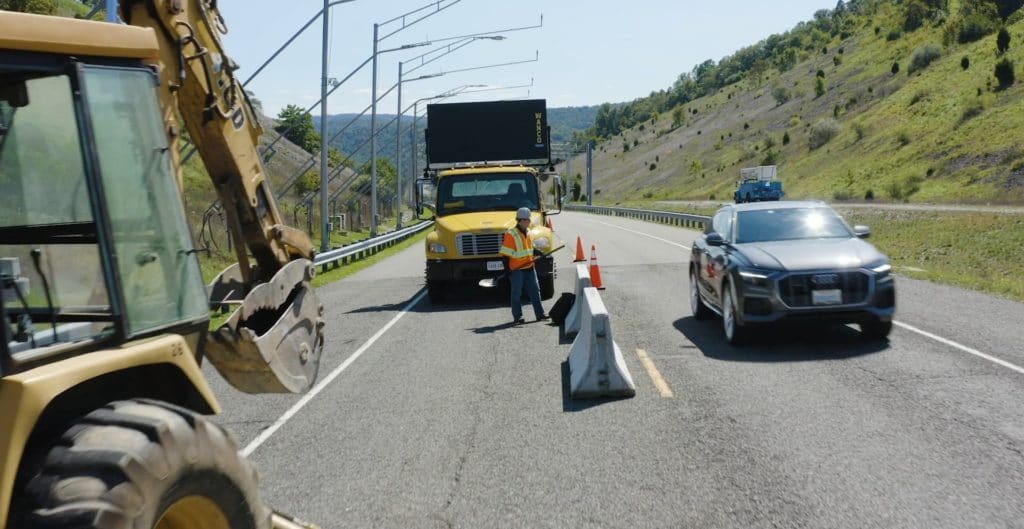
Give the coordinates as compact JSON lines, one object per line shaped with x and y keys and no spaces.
{"x":94,"y":246}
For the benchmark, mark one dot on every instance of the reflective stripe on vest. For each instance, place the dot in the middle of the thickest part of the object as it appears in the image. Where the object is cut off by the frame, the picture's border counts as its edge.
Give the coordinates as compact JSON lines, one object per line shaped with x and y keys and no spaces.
{"x":518,"y":248}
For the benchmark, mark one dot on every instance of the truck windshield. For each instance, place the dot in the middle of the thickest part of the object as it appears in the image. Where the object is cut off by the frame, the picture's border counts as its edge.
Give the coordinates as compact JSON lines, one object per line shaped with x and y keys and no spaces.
{"x":486,"y":192}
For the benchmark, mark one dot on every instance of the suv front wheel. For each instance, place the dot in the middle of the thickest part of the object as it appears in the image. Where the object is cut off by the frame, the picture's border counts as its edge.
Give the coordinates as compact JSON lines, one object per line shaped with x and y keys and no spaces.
{"x":735,"y":332}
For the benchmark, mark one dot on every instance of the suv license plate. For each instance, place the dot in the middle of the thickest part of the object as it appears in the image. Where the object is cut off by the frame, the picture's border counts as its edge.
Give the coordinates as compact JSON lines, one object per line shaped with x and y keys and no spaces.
{"x":832,"y":296}
{"x":495,"y":266}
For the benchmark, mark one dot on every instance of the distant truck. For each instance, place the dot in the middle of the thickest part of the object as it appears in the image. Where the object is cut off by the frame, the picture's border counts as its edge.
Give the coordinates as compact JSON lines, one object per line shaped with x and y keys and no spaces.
{"x":758,"y":184}
{"x":485,"y":160}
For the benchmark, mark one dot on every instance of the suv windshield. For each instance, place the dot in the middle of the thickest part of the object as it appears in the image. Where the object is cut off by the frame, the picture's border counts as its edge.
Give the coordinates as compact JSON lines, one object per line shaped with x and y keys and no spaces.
{"x":486,"y":192}
{"x":786,"y":224}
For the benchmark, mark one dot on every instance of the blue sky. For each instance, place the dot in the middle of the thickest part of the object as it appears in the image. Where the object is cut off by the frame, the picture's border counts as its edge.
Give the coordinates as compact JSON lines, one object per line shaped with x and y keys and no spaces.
{"x":590,"y":52}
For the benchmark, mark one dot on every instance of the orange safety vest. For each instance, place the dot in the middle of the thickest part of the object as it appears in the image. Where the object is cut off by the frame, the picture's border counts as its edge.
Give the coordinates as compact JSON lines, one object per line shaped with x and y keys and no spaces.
{"x":518,"y":247}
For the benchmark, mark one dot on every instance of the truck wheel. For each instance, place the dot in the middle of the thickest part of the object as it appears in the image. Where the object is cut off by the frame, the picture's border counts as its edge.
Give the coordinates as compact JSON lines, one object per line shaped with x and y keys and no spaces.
{"x":436,"y":291}
{"x":747,"y":198}
{"x":547,"y":287}
{"x":145,"y":464}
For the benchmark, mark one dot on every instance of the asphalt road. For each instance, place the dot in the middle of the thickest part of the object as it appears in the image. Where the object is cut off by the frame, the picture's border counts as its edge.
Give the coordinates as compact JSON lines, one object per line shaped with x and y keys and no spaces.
{"x":446,"y":416}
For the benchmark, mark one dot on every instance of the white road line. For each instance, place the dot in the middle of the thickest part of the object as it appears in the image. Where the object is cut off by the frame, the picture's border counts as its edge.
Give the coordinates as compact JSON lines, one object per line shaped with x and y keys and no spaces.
{"x":646,"y":235}
{"x":927,"y":334}
{"x":961,"y":347}
{"x":265,"y":434}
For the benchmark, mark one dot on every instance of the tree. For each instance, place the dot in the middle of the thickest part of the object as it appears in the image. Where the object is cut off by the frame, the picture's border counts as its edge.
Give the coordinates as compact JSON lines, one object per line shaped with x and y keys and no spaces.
{"x":297,"y":126}
{"x":1007,"y":7}
{"x":781,"y":94}
{"x":1002,"y":41}
{"x":819,"y":86}
{"x":39,"y":7}
{"x":677,"y":117}
{"x":895,"y":68}
{"x":1004,"y":73}
{"x":387,"y":176}
{"x":915,"y":14}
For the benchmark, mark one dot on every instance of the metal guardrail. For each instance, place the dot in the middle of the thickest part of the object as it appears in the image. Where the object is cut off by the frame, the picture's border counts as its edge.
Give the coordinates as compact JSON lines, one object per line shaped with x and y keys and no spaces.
{"x":359,"y":250}
{"x":685,"y":220}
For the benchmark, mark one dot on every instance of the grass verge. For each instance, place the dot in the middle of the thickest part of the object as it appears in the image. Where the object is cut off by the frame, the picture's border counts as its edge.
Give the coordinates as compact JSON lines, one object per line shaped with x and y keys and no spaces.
{"x":337,"y":274}
{"x":979,"y":251}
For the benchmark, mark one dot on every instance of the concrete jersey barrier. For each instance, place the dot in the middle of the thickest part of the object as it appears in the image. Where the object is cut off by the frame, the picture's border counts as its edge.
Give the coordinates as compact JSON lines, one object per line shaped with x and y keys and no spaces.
{"x":573,"y":319}
{"x":596,"y":366}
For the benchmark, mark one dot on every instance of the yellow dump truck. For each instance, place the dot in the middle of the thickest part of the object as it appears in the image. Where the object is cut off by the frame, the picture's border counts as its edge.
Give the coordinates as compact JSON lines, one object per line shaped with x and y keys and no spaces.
{"x":485,"y":160}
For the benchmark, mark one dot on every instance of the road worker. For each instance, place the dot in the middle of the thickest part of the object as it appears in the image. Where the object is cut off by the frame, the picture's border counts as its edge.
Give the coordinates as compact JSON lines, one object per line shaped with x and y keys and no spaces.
{"x":517,"y":251}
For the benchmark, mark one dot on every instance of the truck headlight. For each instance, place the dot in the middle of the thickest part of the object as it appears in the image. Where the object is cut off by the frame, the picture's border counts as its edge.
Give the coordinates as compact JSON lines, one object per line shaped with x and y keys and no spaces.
{"x":436,"y":247}
{"x":542,"y":243}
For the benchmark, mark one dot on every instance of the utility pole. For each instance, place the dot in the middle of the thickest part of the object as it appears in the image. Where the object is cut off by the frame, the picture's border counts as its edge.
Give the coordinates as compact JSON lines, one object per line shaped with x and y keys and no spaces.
{"x":590,"y":173}
{"x":373,"y":140}
{"x":325,"y":231}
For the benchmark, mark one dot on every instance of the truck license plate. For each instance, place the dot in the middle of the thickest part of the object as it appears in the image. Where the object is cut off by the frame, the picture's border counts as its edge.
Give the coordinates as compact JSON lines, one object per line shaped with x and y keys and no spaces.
{"x":832,"y":296}
{"x":495,"y":266}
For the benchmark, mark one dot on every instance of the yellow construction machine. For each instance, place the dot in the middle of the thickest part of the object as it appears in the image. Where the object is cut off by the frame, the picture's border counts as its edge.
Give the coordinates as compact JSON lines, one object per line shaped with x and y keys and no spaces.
{"x":104,"y":312}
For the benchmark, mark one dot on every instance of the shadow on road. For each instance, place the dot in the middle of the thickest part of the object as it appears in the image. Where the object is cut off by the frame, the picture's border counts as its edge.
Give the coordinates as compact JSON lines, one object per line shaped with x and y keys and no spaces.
{"x":780,"y":343}
{"x":570,"y":405}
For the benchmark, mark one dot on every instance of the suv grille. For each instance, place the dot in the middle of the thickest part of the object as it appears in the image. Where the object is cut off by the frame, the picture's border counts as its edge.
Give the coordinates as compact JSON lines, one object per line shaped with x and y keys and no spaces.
{"x":483,"y":244}
{"x":795,"y":290}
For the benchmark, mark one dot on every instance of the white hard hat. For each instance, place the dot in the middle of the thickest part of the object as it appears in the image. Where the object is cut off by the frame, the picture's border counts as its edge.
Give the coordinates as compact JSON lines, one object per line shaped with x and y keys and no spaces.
{"x":523,"y":213}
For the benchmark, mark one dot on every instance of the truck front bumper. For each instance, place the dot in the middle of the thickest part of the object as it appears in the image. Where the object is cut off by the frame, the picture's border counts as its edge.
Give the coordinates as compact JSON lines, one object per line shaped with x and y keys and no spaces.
{"x":476,"y":269}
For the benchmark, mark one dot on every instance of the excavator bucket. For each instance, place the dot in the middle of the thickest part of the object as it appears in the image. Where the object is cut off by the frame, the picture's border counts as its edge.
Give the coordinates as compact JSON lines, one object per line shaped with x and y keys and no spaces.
{"x":273,"y":340}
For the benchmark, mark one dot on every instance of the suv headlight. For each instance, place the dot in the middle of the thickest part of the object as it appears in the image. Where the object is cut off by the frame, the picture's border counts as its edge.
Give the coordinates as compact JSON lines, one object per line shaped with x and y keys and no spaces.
{"x":882,"y":272}
{"x":436,"y":247}
{"x":754,"y":278}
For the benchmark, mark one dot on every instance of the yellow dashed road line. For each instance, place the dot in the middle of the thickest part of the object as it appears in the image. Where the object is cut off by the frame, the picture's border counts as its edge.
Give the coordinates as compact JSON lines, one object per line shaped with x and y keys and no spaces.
{"x":652,"y":371}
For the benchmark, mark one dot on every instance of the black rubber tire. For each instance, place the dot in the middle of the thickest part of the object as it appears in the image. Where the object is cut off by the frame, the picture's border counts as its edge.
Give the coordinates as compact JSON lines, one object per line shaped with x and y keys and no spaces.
{"x":547,"y":287}
{"x":876,"y":330}
{"x":735,"y":333}
{"x":436,"y":291}
{"x":697,"y":307}
{"x":131,"y":463}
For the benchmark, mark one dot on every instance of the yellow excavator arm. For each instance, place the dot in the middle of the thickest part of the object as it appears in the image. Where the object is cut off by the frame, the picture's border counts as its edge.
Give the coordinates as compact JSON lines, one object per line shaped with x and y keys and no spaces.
{"x":279,"y":320}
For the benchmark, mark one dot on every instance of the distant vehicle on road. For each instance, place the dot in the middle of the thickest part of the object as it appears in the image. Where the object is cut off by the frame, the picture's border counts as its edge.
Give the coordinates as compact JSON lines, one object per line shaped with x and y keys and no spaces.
{"x":789,"y":261}
{"x":758,"y":184}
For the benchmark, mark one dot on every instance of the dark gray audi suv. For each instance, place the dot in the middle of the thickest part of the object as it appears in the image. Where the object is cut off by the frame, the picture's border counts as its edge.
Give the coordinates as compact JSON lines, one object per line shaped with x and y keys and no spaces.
{"x":769,"y":262}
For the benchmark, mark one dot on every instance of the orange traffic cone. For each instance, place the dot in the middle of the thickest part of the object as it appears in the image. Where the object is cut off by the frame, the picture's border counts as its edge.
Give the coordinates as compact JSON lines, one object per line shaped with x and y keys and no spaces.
{"x":595,"y":271}
{"x":579,"y":251}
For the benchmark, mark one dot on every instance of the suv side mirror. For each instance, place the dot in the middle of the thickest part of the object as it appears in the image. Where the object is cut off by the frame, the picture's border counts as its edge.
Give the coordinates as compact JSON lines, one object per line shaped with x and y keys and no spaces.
{"x":714,"y":239}
{"x":862,"y":231}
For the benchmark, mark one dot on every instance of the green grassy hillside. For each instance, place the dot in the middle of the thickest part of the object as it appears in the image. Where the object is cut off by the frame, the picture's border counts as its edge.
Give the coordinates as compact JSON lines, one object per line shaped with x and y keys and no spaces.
{"x":944,"y":133}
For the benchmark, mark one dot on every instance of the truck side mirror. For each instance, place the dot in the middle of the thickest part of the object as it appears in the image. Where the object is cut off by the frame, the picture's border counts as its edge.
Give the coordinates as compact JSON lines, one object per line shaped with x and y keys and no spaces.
{"x":425,"y":196}
{"x":557,"y":188}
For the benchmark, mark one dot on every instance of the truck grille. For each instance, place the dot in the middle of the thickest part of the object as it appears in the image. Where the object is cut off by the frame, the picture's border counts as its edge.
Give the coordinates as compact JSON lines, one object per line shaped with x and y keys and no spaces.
{"x":482,"y":244}
{"x":795,"y":290}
